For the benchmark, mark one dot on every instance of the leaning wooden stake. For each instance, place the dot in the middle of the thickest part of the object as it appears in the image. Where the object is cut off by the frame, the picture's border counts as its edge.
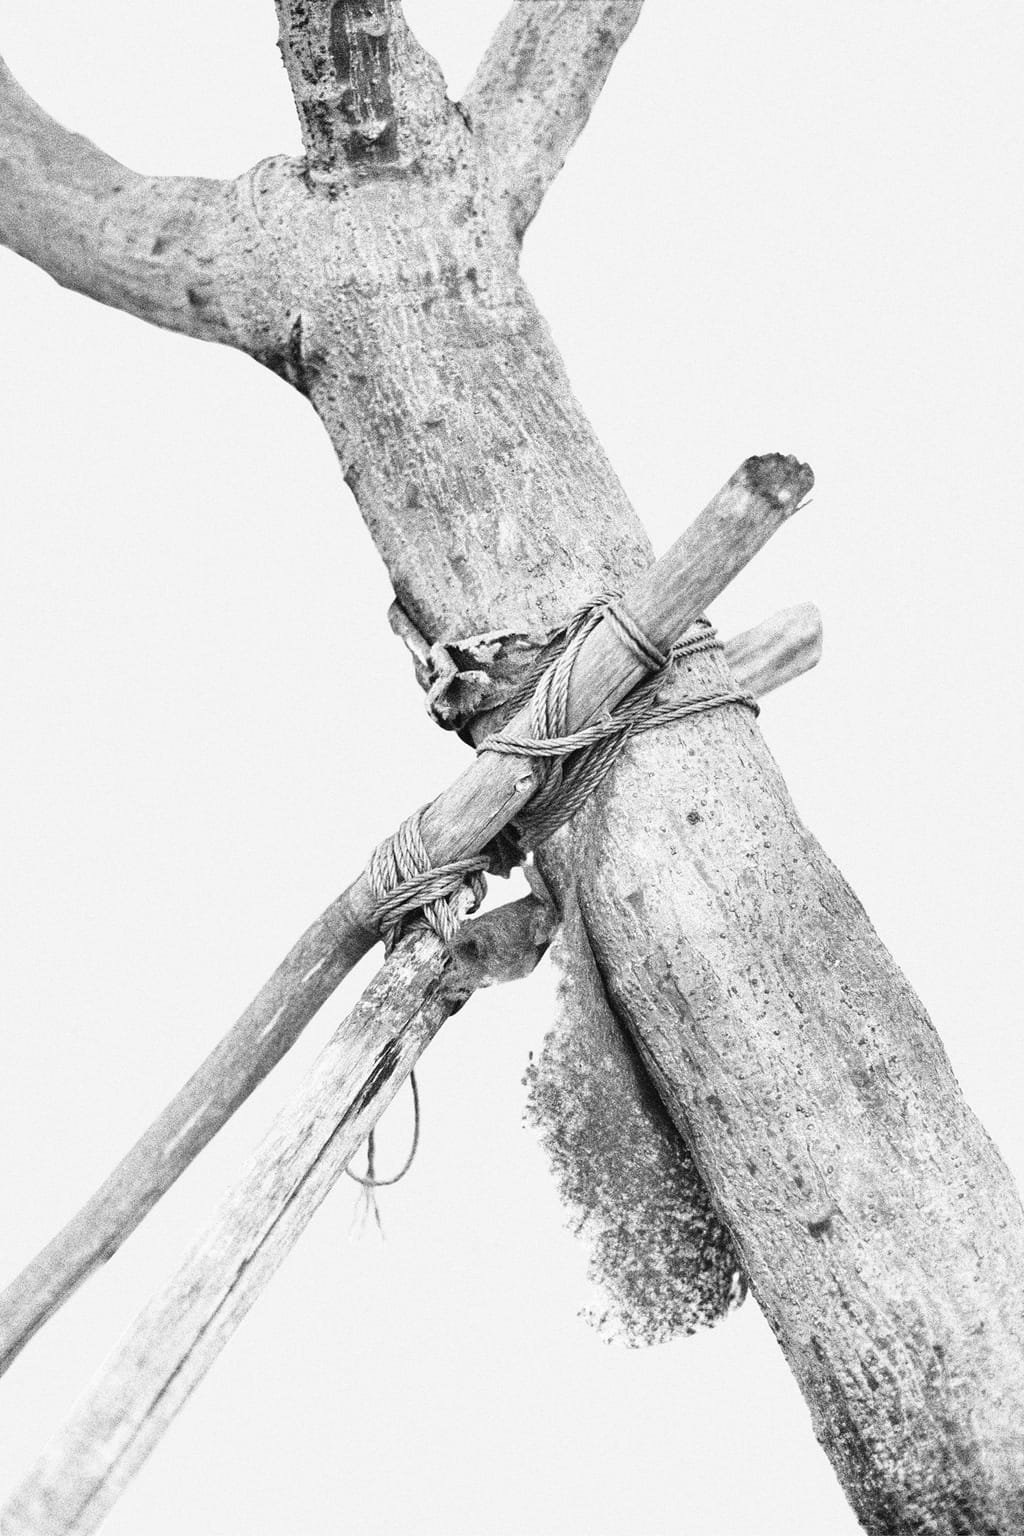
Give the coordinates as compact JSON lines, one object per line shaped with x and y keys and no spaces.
{"x":179,"y":1334}
{"x":729,"y":531}
{"x":176,"y":1338}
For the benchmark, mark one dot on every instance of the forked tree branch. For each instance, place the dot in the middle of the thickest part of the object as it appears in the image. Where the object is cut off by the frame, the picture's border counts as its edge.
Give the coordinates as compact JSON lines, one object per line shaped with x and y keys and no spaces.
{"x":537,"y":84}
{"x":173,"y":250}
{"x":366,"y":93}
{"x":327,"y":951}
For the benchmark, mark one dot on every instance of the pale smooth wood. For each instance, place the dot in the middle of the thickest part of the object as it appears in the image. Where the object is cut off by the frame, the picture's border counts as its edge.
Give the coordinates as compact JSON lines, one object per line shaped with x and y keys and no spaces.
{"x":777,"y":650}
{"x":176,"y":1338}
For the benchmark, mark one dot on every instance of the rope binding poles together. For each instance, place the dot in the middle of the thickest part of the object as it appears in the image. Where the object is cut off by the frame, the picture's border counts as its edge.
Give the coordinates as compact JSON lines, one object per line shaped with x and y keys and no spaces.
{"x":408,"y":888}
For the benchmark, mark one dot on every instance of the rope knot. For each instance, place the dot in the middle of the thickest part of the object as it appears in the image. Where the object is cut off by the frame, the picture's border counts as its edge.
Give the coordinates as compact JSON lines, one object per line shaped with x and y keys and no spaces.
{"x":405,"y":884}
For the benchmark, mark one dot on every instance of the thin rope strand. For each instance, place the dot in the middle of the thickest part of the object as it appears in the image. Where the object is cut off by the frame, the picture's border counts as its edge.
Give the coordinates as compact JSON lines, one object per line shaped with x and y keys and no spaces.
{"x":369,"y":1179}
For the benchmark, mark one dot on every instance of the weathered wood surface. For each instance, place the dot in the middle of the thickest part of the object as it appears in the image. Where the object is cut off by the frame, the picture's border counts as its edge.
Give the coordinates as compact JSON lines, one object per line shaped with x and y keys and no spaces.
{"x":175,"y":1339}
{"x":776,"y":650}
{"x":174,"y":250}
{"x":537,"y":84}
{"x":754,"y":503}
{"x":394,"y":302}
{"x":178,"y":1335}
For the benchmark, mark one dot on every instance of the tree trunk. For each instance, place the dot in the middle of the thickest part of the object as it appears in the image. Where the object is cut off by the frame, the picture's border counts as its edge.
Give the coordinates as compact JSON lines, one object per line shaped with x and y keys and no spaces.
{"x":877,"y":1224}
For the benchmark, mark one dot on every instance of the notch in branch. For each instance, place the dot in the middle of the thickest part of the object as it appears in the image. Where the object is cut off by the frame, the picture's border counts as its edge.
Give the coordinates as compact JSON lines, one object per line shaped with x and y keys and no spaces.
{"x":366,"y":93}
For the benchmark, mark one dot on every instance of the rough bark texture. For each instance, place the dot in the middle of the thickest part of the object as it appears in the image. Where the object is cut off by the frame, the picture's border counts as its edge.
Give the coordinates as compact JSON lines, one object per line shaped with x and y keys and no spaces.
{"x":366,"y":94}
{"x":537,"y":85}
{"x":877,"y":1224}
{"x":661,"y":1261}
{"x":176,"y":251}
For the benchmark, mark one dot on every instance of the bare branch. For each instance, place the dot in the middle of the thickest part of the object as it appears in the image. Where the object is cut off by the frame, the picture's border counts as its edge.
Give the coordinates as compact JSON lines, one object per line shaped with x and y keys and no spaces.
{"x":488,"y":794}
{"x":366,"y":93}
{"x":171,"y":250}
{"x":777,"y":650}
{"x":537,"y":85}
{"x":503,"y":944}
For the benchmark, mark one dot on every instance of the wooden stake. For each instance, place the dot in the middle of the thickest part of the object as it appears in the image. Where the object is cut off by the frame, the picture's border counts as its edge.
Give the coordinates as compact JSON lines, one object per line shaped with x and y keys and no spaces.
{"x":666,"y":600}
{"x":179,"y":1334}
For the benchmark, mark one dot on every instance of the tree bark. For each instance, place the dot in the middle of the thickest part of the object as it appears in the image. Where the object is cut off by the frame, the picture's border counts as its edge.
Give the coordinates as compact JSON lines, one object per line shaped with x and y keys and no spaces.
{"x":880,"y":1230}
{"x":460,"y":820}
{"x":175,"y":250}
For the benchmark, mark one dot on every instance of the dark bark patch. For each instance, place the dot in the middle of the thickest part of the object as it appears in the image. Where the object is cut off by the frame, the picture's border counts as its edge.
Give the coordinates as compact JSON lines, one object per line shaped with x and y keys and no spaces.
{"x":715,"y":1104}
{"x":382,"y":1070}
{"x":360,"y":48}
{"x":291,"y":362}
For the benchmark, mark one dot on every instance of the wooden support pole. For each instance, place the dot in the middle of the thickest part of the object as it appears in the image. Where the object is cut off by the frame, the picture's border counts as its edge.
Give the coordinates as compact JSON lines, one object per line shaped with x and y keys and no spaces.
{"x":179,"y":1334}
{"x":777,"y":650}
{"x":490,"y":791}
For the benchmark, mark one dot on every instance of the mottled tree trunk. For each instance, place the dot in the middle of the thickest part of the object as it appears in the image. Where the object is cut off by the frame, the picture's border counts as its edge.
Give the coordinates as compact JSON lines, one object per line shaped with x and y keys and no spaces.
{"x":877,"y":1224}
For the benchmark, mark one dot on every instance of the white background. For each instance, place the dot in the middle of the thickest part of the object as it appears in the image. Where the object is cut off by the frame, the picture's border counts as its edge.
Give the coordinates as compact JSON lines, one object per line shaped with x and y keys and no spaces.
{"x":787,"y":227}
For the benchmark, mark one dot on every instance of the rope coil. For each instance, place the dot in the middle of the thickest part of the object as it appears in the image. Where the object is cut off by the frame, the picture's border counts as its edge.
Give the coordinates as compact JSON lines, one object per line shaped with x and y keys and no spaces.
{"x":570,"y":764}
{"x":404,"y":882}
{"x":406,"y":887}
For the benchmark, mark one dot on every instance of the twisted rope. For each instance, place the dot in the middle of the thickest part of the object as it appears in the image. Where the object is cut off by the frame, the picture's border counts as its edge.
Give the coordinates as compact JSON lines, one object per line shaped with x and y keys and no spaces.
{"x":405,"y":884}
{"x":406,"y":887}
{"x":572,"y":765}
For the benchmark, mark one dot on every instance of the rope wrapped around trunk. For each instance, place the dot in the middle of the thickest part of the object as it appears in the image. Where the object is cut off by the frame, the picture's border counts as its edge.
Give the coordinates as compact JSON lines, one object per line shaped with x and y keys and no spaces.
{"x":408,"y":888}
{"x":570,"y":764}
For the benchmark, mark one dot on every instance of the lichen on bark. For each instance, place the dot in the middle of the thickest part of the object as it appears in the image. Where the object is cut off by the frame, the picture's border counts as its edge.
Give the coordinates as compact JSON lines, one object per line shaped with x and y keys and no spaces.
{"x":661,"y":1262}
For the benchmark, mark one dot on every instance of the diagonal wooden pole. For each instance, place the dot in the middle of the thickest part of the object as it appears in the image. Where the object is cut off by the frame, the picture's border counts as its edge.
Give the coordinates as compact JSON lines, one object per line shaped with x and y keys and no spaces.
{"x":176,"y":1338}
{"x":736,"y":522}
